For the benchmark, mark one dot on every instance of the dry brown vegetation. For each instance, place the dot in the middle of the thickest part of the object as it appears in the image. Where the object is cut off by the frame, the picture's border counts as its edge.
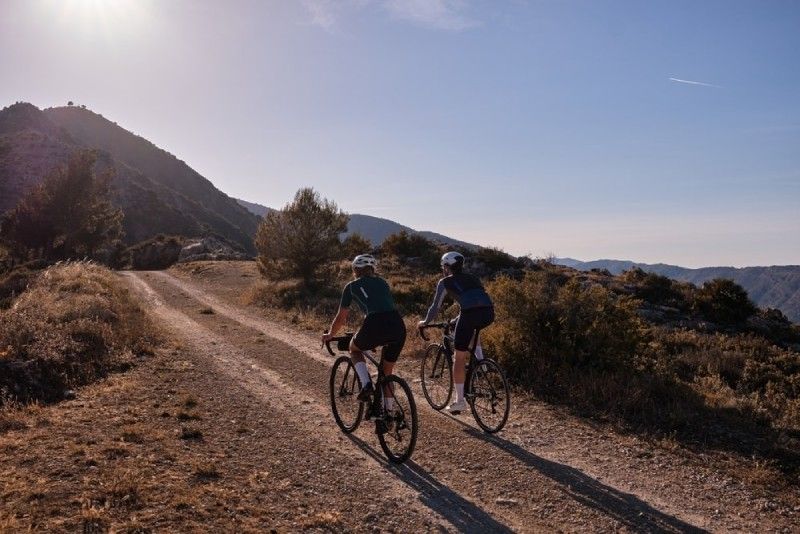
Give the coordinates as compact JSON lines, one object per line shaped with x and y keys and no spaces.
{"x":641,"y":351}
{"x":76,"y":322}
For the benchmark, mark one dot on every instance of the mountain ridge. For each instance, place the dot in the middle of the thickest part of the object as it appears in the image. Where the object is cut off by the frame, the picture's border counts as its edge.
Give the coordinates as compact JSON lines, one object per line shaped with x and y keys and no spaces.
{"x":775,"y":286}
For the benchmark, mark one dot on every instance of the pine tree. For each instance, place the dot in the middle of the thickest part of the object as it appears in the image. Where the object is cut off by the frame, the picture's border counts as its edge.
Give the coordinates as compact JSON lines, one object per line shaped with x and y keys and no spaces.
{"x":68,"y":215}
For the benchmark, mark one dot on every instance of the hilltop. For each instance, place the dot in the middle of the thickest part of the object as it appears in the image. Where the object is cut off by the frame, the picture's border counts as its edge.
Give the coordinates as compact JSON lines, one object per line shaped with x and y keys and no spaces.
{"x":157,"y":192}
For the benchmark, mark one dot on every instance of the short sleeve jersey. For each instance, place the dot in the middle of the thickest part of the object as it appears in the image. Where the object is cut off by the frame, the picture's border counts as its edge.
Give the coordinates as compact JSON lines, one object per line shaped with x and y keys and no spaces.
{"x":371,"y":294}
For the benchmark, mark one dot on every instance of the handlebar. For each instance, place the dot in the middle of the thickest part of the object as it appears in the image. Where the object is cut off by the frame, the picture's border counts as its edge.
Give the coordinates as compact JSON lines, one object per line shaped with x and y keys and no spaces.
{"x":422,"y":329}
{"x":346,"y":338}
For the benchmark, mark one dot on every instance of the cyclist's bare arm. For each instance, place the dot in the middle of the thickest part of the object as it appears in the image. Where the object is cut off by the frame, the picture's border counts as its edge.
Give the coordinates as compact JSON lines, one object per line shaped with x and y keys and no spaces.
{"x":338,"y":322}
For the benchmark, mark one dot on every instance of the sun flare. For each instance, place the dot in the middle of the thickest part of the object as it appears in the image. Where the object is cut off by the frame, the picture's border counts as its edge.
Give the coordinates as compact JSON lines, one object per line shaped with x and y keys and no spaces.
{"x":104,"y":17}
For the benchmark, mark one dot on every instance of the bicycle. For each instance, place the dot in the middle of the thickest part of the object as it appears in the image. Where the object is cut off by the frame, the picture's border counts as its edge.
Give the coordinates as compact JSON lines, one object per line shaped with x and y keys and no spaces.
{"x":485,"y":387}
{"x":400,"y":425}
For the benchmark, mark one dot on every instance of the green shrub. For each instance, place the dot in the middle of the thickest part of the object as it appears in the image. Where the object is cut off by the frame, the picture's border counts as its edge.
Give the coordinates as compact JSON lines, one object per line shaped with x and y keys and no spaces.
{"x":658,"y":289}
{"x":543,"y":321}
{"x":495,"y":259}
{"x":355,"y":244}
{"x":69,"y":215}
{"x":155,"y":253}
{"x":406,"y":246}
{"x":301,"y":239}
{"x":723,"y":301}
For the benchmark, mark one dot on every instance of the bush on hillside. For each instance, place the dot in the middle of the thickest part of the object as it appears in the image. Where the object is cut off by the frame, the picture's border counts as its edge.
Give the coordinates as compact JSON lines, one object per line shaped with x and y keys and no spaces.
{"x":742,"y":371}
{"x":156,"y":253}
{"x":355,"y":244}
{"x":494,"y":259}
{"x":724,"y":302}
{"x":543,"y":321}
{"x":67,"y":216}
{"x":408,"y":246}
{"x":300,"y":240}
{"x":655,"y":288}
{"x":75,"y":323}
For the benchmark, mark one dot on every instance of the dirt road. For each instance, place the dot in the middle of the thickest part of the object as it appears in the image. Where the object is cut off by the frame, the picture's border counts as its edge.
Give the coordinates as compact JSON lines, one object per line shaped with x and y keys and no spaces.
{"x":546,"y":472}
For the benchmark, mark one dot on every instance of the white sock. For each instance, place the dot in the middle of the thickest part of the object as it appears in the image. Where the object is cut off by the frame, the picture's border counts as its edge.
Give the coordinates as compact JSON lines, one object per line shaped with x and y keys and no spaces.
{"x":459,"y":392}
{"x":479,"y":352}
{"x":388,"y":403}
{"x":363,"y":373}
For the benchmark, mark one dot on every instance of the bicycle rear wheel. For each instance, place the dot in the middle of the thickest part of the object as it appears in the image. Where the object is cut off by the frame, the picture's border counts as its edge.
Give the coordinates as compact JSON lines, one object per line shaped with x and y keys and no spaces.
{"x":344,"y":386}
{"x":489,"y":395}
{"x":437,"y":376}
{"x":402,"y":424}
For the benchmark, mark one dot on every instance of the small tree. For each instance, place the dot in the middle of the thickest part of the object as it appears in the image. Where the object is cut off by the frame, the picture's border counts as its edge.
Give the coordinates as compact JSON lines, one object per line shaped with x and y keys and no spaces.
{"x":355,"y":244}
{"x":300,"y":239}
{"x":68,"y":215}
{"x":723,"y":301}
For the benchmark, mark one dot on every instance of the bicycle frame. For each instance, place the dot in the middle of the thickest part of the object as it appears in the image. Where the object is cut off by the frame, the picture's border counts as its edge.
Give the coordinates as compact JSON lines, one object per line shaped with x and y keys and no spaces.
{"x":448,"y":338}
{"x":377,"y":404}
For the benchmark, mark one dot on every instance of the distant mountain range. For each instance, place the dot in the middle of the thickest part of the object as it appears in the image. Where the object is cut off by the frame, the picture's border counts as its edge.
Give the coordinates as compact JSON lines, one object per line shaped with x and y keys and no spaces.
{"x":158,"y":193}
{"x":375,"y":229}
{"x":769,"y":287}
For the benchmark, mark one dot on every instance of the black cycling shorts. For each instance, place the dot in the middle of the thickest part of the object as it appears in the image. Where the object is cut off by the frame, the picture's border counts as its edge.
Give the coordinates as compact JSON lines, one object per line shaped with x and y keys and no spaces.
{"x":468,"y":322}
{"x":384,"y":328}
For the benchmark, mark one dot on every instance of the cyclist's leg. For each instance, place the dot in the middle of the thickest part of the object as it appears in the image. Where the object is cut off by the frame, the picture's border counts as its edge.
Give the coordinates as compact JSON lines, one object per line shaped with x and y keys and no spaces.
{"x":396,"y":334}
{"x":463,"y":335}
{"x":486,"y":320}
{"x":366,"y":338}
{"x":359,"y":363}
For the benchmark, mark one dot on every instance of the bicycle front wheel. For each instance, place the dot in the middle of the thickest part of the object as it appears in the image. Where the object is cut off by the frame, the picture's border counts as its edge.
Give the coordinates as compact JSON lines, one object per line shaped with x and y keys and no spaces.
{"x":401,"y":421}
{"x":489,"y":395}
{"x":347,"y":409}
{"x":437,"y":376}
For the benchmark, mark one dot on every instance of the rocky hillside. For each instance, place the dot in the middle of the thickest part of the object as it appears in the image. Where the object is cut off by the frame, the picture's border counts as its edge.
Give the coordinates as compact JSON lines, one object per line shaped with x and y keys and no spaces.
{"x":157,"y":192}
{"x":770,"y":287}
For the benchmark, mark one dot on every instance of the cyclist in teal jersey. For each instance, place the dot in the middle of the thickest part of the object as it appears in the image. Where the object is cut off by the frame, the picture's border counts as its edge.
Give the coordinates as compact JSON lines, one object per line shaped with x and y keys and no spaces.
{"x":382,"y":326}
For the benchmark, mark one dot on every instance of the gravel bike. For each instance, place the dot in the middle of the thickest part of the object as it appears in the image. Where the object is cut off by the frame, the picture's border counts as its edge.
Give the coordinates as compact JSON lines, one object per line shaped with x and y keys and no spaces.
{"x":485,"y":387}
{"x":397,"y":428}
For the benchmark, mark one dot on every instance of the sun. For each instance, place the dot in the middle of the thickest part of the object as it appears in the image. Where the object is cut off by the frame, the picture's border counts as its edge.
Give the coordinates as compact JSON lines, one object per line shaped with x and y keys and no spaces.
{"x":100,"y":17}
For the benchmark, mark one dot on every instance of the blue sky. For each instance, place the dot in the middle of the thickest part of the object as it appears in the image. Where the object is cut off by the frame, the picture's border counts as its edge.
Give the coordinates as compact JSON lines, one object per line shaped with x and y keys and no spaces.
{"x":545,"y":127}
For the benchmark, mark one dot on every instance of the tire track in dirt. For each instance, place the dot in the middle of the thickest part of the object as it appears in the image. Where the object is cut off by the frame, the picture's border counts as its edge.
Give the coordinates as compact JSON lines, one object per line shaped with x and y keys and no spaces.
{"x":543,"y":493}
{"x":428,"y":497}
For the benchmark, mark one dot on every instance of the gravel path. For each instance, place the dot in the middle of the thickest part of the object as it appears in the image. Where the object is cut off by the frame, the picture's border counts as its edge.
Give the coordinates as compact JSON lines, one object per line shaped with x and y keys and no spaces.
{"x":545,"y":472}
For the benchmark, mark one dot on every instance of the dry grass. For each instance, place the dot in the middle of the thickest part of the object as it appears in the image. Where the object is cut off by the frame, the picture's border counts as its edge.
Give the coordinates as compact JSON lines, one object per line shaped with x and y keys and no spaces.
{"x":75,"y":323}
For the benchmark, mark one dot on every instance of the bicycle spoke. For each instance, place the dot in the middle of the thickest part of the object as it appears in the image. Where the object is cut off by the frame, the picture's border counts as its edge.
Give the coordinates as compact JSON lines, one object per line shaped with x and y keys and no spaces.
{"x":489,"y":396}
{"x":437,"y":384}
{"x":400,"y":437}
{"x":347,"y":410}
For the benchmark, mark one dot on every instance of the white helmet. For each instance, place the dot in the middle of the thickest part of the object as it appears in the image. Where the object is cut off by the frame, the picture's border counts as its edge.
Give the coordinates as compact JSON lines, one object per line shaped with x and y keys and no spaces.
{"x":365,"y":260}
{"x":452,"y":258}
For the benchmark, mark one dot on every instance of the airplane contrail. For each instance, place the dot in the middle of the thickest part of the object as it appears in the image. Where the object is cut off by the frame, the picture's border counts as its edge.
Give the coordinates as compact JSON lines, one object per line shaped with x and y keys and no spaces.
{"x":692,"y":82}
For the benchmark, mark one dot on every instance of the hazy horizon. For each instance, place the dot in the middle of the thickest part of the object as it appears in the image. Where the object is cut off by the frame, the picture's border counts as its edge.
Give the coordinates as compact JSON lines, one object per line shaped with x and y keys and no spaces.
{"x":652,"y":133}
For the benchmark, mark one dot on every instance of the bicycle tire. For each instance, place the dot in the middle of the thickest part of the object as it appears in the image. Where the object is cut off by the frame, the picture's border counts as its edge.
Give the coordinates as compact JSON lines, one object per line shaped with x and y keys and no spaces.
{"x":405,"y":438}
{"x":344,"y":388}
{"x":489,"y":395}
{"x":436,"y":373}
